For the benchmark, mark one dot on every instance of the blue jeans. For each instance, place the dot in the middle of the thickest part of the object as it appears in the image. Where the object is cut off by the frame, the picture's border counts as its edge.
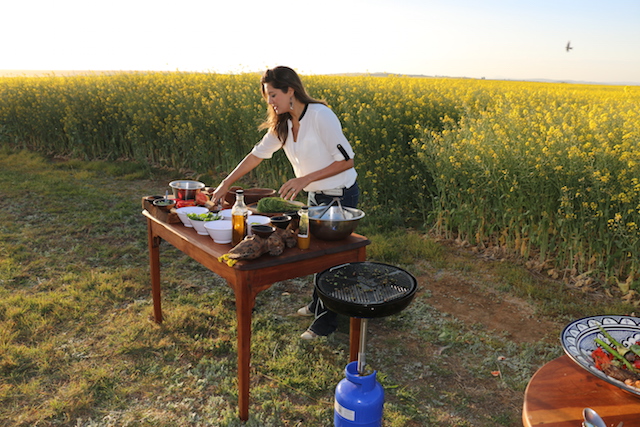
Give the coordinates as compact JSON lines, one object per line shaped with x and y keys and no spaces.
{"x":326,"y":321}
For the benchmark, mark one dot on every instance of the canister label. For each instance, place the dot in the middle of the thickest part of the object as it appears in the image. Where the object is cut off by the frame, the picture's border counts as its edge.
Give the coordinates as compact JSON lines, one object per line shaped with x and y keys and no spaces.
{"x":345,"y":413}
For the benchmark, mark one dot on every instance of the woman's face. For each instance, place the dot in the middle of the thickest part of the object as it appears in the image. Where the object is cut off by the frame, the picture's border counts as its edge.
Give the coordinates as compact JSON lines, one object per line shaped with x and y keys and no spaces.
{"x":278,"y":99}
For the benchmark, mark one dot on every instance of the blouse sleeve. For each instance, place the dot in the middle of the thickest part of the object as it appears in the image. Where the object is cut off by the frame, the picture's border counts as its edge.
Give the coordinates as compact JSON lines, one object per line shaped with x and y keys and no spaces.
{"x":268,"y":145}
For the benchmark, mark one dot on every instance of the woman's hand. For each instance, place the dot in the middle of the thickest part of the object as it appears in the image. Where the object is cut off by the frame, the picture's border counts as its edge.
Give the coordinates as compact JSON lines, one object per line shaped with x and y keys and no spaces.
{"x":219,"y":193}
{"x":244,"y":167}
{"x":293,"y":187}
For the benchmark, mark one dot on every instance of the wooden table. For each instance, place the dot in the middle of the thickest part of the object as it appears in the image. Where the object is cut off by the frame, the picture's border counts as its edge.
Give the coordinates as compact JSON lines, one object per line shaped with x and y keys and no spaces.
{"x":248,"y":278}
{"x":560,"y":390}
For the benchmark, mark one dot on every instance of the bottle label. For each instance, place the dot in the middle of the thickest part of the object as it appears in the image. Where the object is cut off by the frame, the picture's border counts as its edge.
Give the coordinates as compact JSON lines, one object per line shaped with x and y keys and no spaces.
{"x":303,"y":225}
{"x":345,"y":413}
{"x":239,"y":229}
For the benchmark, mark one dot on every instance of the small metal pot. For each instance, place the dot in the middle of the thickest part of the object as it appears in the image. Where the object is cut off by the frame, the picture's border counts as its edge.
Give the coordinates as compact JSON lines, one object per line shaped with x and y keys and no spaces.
{"x":185,"y":189}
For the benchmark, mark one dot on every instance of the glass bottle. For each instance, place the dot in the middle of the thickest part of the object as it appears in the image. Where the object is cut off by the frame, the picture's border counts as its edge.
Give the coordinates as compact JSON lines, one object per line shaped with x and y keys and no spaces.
{"x":304,"y":239}
{"x":239,"y":213}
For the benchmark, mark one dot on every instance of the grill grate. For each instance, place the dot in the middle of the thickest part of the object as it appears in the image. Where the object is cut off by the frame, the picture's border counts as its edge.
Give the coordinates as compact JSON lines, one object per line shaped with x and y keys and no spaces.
{"x":369,"y":296}
{"x":366,"y":283}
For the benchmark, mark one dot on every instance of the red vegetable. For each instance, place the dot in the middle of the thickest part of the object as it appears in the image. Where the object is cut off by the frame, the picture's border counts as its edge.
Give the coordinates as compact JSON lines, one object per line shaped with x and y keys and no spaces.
{"x":184,"y":203}
{"x":601,"y":358}
{"x":201,"y":198}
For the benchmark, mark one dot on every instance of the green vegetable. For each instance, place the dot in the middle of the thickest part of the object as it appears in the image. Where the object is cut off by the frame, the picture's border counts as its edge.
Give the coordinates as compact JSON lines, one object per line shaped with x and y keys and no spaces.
{"x":275,"y":204}
{"x":635,"y":349}
{"x":209,"y":216}
{"x":616,"y":354}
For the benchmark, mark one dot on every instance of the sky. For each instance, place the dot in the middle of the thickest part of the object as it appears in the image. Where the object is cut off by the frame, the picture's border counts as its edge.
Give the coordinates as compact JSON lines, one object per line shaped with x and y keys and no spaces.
{"x":493,"y":39}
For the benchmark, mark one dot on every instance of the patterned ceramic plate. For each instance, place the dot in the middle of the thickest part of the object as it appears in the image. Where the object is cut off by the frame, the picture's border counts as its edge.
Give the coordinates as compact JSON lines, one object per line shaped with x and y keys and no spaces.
{"x":578,"y":341}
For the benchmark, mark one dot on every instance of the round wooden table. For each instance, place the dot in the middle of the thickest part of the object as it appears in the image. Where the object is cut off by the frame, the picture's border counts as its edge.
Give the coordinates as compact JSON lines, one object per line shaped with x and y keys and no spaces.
{"x":560,"y":390}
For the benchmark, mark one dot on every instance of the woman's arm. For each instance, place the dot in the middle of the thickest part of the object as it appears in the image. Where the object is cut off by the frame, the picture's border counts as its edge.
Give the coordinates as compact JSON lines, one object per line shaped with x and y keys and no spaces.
{"x":249,"y":163}
{"x":291,"y":188}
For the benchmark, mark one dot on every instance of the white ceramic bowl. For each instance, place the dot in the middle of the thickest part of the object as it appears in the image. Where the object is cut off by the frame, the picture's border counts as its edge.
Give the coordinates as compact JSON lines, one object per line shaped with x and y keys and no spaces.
{"x":256,"y":220}
{"x":226,"y":214}
{"x":199,"y":225}
{"x":220,"y":230}
{"x":182,"y":213}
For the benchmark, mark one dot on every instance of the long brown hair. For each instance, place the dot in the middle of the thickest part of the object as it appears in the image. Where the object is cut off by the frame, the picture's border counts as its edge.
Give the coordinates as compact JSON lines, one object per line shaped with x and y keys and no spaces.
{"x":283,"y":78}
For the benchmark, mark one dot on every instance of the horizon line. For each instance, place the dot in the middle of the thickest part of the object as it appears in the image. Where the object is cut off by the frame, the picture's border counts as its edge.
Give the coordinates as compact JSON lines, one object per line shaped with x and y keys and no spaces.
{"x":69,"y":73}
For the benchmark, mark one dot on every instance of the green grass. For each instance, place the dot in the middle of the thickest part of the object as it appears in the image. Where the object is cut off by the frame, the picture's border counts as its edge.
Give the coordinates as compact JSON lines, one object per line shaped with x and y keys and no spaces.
{"x":78,"y":346}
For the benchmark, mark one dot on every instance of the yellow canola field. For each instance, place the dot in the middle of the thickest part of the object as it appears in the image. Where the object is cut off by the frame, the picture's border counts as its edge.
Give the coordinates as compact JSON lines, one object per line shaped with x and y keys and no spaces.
{"x":545,"y":170}
{"x":549,"y":169}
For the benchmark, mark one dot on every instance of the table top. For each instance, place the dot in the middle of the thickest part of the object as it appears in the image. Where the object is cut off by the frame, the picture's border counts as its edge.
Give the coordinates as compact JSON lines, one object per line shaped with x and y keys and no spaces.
{"x":560,"y":390}
{"x":317,"y":248}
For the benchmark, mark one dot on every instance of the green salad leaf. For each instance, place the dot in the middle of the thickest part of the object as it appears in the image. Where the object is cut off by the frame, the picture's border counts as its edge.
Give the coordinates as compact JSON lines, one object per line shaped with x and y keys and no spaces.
{"x":209,"y":216}
{"x":275,"y":204}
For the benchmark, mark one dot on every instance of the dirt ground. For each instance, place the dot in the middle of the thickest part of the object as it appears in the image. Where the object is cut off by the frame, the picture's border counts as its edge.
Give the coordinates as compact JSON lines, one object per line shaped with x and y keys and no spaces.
{"x":472,"y":296}
{"x":479,"y":303}
{"x":469,"y":291}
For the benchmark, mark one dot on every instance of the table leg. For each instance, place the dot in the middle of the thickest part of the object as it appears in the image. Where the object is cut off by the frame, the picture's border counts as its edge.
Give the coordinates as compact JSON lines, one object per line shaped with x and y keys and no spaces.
{"x":244,"y":306}
{"x":354,"y":338}
{"x":154,"y":264}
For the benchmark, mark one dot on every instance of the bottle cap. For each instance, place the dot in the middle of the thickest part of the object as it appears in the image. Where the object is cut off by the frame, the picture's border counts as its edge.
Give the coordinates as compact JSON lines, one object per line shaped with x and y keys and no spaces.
{"x":240,"y":191}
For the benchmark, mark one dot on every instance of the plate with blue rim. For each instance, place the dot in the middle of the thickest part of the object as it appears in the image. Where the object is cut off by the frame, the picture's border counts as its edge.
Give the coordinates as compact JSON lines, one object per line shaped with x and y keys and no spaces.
{"x":578,"y":341}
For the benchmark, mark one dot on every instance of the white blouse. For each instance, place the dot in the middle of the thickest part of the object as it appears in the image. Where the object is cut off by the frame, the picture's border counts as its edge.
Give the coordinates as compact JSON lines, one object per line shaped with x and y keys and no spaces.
{"x":316,"y":148}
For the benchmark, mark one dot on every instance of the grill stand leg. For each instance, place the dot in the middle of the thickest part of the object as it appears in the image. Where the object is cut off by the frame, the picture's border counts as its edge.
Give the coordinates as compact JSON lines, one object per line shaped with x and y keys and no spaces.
{"x":354,"y":338}
{"x":363,"y":345}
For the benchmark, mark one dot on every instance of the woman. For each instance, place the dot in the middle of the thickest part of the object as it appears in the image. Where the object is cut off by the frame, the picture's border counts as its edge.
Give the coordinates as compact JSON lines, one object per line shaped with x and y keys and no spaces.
{"x":321,"y":157}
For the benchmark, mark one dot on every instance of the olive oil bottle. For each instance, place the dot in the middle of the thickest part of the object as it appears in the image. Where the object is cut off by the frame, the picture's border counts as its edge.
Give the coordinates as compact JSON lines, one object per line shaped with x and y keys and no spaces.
{"x":239,"y":213}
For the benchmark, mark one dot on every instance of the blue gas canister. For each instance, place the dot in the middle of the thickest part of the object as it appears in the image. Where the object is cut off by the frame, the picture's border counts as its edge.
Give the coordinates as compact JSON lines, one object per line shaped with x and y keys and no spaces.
{"x":359,"y":399}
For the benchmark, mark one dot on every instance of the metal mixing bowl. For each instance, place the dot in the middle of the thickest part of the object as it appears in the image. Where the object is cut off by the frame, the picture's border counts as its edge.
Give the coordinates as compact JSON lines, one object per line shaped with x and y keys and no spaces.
{"x":185,"y":189}
{"x":334,"y":223}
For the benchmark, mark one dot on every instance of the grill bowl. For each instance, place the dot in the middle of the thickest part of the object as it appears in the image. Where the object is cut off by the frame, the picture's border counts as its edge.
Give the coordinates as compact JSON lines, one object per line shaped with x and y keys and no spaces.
{"x":333,"y":225}
{"x":366,"y":289}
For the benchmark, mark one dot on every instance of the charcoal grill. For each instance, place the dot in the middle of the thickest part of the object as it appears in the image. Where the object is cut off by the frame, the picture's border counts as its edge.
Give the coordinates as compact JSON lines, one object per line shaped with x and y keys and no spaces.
{"x":365,"y":290}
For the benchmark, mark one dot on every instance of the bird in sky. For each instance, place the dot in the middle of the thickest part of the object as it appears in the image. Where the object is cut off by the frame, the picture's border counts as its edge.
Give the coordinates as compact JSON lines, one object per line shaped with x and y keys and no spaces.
{"x":569,"y":47}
